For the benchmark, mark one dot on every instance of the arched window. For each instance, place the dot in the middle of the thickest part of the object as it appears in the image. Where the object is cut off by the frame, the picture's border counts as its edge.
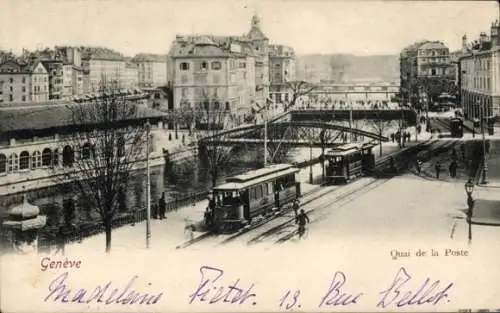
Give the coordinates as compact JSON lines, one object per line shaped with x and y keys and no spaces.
{"x":68,"y":156}
{"x":24,"y":160}
{"x":216,"y":105}
{"x":46,"y":157}
{"x":14,"y":162}
{"x":85,"y":151}
{"x":3,"y":164}
{"x":55,"y":158}
{"x":204,"y":66}
{"x":37,"y":159}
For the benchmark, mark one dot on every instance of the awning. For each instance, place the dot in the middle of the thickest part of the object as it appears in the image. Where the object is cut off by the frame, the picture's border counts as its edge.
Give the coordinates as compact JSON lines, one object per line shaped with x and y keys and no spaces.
{"x":25,"y":210}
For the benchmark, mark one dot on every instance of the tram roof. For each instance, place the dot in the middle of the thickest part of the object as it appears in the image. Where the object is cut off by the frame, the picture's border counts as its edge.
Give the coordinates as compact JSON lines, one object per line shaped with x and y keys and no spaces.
{"x":253,"y":174}
{"x":344,"y":149}
{"x":235,"y":185}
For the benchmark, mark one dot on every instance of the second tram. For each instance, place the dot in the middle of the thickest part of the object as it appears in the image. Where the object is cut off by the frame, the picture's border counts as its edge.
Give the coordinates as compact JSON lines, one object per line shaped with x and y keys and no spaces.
{"x":347,"y":162}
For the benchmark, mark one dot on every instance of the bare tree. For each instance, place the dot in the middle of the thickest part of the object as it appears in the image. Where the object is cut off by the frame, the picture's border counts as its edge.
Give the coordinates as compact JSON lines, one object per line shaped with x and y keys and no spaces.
{"x":380,"y":126}
{"x":210,"y":118}
{"x":109,"y":146}
{"x":298,"y":89}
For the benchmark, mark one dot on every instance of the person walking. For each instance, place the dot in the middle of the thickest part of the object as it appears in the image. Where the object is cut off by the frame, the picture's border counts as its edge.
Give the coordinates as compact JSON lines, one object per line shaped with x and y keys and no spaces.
{"x":302,"y":219}
{"x":437,"y":167}
{"x":296,"y":207}
{"x":418,"y":165}
{"x":162,"y":206}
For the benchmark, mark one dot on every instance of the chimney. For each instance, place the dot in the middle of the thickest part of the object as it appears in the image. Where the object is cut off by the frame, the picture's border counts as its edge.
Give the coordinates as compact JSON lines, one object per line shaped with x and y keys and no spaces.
{"x":464,"y":43}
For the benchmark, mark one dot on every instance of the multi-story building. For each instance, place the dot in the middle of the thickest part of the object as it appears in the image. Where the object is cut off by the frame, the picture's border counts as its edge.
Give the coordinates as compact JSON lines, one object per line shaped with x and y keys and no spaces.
{"x":130,"y":78}
{"x":152,"y":69}
{"x":421,"y":60}
{"x":232,"y":69}
{"x":480,"y":76}
{"x":281,"y":71}
{"x":102,"y":67}
{"x":23,"y":82}
{"x":207,"y":75}
{"x":55,"y":69}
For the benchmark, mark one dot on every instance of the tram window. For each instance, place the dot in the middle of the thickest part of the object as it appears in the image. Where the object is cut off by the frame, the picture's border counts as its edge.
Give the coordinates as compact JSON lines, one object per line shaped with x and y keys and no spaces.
{"x":269,"y":188}
{"x":258,"y":192}
{"x":253,"y":194}
{"x":264,"y":190}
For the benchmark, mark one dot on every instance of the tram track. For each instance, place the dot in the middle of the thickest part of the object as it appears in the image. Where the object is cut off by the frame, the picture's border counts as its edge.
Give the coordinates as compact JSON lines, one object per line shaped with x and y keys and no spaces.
{"x":281,"y":219}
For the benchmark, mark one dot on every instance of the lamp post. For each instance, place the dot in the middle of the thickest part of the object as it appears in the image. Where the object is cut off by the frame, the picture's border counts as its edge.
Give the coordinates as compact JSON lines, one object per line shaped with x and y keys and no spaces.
{"x":469,"y":188}
{"x":310,"y":161}
{"x":148,"y":188}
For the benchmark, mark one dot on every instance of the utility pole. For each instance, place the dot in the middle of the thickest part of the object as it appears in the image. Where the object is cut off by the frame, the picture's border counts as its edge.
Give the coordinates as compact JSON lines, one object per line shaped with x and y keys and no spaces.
{"x":148,"y":189}
{"x":485,"y":165}
{"x":265,"y":135}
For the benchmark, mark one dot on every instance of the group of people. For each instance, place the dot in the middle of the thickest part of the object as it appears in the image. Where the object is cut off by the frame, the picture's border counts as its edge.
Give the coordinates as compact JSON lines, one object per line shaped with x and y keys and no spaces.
{"x":452,"y":168}
{"x":396,"y":137}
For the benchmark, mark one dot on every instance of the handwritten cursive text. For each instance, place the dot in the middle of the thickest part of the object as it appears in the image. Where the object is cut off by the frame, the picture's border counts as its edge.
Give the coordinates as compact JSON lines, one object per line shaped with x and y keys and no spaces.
{"x":400,"y":295}
{"x":59,"y":291}
{"x":209,"y":290}
{"x":335,"y":294}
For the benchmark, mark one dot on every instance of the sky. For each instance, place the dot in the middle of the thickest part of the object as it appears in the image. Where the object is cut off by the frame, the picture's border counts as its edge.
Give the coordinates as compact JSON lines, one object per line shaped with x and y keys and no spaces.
{"x":309,"y":26}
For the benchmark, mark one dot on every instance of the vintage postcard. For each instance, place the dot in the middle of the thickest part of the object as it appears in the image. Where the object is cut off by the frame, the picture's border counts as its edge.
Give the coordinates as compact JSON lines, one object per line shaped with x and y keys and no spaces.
{"x":249,"y":156}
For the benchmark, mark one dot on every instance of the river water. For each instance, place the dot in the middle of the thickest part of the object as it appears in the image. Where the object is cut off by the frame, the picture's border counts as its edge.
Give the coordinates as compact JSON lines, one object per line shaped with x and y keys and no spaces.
{"x":177,"y":181}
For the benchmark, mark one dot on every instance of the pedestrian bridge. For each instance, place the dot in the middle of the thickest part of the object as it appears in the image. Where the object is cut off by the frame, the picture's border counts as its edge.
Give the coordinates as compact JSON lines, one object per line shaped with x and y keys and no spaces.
{"x":285,"y":135}
{"x":326,"y":115}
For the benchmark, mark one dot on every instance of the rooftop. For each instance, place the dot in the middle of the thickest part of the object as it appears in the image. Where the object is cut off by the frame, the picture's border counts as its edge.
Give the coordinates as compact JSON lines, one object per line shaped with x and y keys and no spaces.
{"x":54,"y":115}
{"x":142,"y":57}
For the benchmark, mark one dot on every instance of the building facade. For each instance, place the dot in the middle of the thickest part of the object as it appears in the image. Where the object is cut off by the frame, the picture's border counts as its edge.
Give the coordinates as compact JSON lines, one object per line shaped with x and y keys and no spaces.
{"x":102,"y":67}
{"x":421,"y":60}
{"x":22,"y":83}
{"x":206,"y":75}
{"x":480,"y":76}
{"x":281,"y":71}
{"x":231,"y":70}
{"x":328,"y":93}
{"x":130,"y":78}
{"x":152,"y":70}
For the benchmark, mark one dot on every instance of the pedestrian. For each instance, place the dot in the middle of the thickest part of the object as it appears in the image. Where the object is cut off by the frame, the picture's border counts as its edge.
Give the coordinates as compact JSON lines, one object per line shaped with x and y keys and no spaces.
{"x":162,"y":206}
{"x":302,"y":219}
{"x":296,"y":207}
{"x":437,"y":167}
{"x":454,"y":169}
{"x":462,"y":148}
{"x":392,"y":137}
{"x":418,"y":166}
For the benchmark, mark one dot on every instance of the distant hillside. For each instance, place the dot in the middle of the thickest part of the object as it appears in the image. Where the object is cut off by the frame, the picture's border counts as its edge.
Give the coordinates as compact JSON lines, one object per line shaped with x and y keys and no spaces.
{"x":345,"y":67}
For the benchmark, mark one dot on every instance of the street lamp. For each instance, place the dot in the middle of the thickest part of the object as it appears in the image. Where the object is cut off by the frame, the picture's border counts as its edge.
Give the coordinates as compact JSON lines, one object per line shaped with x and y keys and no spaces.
{"x":469,"y":188}
{"x":148,"y":188}
{"x":310,"y":160}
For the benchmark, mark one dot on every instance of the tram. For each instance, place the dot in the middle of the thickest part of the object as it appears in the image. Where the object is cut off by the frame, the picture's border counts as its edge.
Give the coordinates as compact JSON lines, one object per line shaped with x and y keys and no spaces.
{"x":348,"y":161}
{"x":457,"y":127}
{"x":244,"y":197}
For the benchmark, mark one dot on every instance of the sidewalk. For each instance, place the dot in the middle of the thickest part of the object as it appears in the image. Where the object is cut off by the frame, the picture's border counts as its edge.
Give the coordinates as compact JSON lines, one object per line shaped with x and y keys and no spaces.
{"x":487,"y":207}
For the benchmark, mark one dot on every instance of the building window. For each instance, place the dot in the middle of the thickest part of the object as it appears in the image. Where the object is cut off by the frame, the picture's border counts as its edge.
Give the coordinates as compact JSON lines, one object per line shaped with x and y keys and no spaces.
{"x":204,"y":66}
{"x":24,"y":80}
{"x":24,"y":89}
{"x":184,"y":66}
{"x":24,"y":98}
{"x":216,"y":105}
{"x":3,"y":164}
{"x":14,"y":162}
{"x":216,"y":65}
{"x":37,"y":159}
{"x":55,"y":158}
{"x":228,"y":107}
{"x":11,"y":89}
{"x":243,"y":65}
{"x":68,"y":156}
{"x":184,"y":92}
{"x":11,"y":80}
{"x":86,"y":151}
{"x":46,"y":157}
{"x":277,"y":65}
{"x":433,"y":72}
{"x":11,"y":98}
{"x":24,"y":160}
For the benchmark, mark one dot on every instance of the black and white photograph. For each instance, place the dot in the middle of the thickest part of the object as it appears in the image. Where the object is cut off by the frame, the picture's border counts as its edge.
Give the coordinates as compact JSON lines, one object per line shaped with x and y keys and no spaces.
{"x":249,"y":156}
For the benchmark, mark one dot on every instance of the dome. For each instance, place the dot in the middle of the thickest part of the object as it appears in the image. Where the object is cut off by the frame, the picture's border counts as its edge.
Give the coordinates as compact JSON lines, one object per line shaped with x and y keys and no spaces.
{"x":25,"y":211}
